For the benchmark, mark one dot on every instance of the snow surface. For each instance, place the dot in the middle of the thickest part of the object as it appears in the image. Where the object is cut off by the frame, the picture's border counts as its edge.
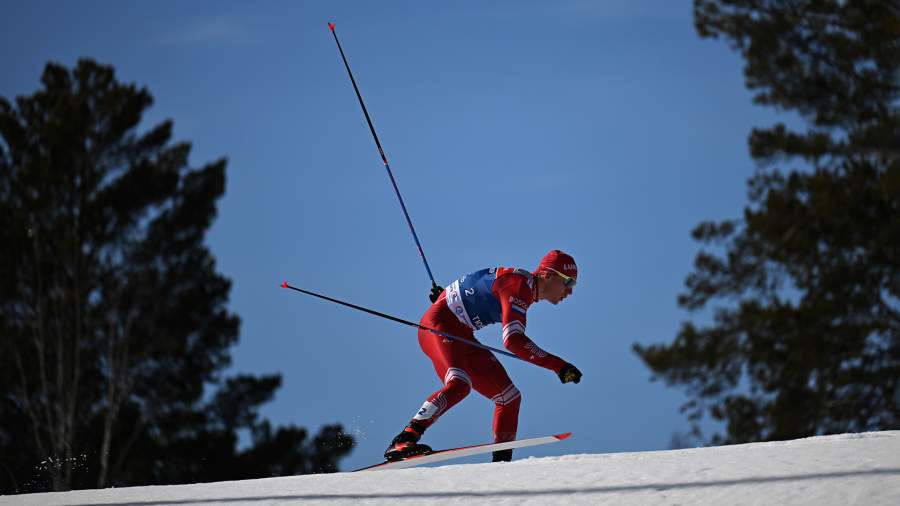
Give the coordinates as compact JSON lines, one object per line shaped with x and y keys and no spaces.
{"x":847,"y":469}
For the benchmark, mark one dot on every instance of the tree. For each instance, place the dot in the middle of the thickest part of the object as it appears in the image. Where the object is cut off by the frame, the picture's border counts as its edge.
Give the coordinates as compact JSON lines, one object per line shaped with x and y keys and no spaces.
{"x":804,"y":291}
{"x":113,"y":319}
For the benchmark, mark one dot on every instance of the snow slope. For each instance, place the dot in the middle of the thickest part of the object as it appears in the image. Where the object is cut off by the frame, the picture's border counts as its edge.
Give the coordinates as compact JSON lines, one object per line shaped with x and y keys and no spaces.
{"x":861,"y":469}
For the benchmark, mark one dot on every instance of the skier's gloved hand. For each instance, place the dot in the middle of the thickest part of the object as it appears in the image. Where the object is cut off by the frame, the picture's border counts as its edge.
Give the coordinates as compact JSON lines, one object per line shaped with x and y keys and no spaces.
{"x":569,"y":373}
{"x":436,"y":292}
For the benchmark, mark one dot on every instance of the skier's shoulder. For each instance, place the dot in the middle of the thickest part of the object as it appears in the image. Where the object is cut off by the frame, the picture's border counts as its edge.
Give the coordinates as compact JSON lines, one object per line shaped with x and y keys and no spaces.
{"x":515,"y":282}
{"x":516,"y":274}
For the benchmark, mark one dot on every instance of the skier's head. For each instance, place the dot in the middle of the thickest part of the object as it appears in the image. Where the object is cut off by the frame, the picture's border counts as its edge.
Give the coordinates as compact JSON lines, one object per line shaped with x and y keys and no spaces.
{"x":556,"y":276}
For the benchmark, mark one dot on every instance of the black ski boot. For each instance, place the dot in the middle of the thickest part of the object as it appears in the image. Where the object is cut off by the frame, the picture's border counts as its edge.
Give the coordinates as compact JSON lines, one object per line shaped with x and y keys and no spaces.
{"x":502,"y":456}
{"x":406,"y":444}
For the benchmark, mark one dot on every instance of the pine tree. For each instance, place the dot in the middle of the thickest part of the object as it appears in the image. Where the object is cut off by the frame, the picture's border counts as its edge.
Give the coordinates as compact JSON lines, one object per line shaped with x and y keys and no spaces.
{"x":804,"y":289}
{"x":113,"y":319}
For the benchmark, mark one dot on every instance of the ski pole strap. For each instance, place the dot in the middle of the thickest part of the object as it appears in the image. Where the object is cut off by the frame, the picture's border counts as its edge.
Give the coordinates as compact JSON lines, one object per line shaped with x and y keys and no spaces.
{"x":405,"y":322}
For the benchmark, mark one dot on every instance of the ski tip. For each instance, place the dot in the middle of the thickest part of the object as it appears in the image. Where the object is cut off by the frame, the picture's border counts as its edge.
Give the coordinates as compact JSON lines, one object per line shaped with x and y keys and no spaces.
{"x":284,"y":284}
{"x":331,"y":26}
{"x":562,"y":436}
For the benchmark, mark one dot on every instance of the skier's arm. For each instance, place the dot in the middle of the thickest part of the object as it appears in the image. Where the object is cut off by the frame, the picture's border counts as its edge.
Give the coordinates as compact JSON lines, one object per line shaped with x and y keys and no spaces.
{"x":514,"y":295}
{"x":524,"y":347}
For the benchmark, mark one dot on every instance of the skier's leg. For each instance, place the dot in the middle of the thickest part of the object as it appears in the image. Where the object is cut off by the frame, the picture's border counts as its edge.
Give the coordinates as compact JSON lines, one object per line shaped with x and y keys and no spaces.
{"x":449,"y":359}
{"x":490,"y":379}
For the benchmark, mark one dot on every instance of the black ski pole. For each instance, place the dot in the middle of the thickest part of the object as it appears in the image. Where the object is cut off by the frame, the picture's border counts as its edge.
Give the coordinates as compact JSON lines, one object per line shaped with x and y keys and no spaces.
{"x":436,"y":291}
{"x":405,"y":322}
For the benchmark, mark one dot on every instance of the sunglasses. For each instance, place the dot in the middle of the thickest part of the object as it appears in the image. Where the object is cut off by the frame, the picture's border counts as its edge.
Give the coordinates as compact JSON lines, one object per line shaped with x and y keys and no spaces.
{"x":569,"y":281}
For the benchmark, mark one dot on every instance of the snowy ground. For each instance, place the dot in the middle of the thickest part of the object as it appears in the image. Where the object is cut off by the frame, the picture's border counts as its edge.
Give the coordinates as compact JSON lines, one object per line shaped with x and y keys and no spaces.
{"x":862,"y":469}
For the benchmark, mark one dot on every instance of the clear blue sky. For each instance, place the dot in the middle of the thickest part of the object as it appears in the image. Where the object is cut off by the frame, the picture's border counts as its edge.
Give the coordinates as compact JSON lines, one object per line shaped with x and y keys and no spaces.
{"x":606,"y":129}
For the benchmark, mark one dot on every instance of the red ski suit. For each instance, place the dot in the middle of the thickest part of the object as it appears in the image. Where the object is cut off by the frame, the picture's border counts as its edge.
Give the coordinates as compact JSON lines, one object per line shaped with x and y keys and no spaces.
{"x":462,"y":367}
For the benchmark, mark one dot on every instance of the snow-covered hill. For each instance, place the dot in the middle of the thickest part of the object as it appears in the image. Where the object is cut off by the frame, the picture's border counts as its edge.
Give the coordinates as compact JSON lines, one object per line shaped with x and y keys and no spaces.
{"x":861,"y":469}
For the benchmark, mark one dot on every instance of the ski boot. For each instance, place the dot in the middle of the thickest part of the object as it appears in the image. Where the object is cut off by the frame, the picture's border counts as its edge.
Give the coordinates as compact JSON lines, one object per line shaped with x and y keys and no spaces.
{"x":406,"y":444}
{"x":502,"y":456}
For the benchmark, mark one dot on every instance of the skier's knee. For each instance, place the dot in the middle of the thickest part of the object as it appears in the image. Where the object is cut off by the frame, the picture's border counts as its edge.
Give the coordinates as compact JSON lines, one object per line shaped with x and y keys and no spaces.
{"x":459,"y":387}
{"x":517,"y":400}
{"x":458,"y":380}
{"x":509,"y":397}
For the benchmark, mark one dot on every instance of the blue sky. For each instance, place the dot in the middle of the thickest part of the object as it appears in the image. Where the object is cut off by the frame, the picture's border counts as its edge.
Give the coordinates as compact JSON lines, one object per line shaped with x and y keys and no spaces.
{"x":606,"y":129}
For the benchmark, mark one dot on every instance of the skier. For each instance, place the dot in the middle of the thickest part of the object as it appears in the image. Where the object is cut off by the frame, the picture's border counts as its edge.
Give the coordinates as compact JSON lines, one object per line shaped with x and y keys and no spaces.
{"x":495,"y":295}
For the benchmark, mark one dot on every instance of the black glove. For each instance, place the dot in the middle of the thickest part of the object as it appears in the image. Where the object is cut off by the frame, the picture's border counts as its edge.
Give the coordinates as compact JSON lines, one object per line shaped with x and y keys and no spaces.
{"x":436,"y":292}
{"x":569,"y":373}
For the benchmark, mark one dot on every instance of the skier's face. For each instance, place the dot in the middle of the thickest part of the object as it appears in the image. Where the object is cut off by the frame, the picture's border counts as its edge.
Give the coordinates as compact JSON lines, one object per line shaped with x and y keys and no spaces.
{"x":555,"y":289}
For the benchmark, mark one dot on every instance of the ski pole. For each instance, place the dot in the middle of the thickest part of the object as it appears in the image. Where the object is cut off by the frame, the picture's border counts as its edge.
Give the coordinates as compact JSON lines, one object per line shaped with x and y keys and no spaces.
{"x":405,"y":322}
{"x":383,"y":157}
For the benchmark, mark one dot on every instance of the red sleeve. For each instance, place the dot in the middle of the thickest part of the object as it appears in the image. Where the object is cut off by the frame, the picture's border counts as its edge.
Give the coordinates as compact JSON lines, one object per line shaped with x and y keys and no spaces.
{"x":515,"y":296}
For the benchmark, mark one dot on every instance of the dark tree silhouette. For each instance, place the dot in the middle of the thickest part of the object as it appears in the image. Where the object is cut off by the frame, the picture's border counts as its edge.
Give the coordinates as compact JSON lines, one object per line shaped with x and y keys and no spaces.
{"x":804,"y":290}
{"x":113,"y":319}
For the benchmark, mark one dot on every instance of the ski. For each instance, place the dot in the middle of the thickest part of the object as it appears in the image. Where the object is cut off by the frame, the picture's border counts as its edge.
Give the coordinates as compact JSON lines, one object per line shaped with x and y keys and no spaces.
{"x":465,"y":451}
